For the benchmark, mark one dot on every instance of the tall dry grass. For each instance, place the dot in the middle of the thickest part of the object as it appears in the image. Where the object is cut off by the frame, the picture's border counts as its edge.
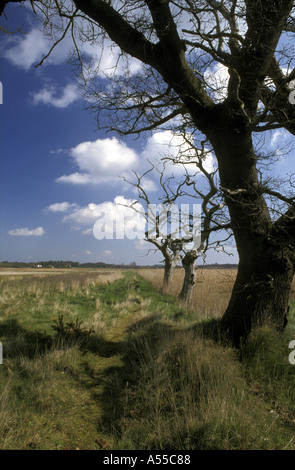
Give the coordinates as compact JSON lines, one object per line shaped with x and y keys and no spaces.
{"x":212,"y":290}
{"x":191,"y":394}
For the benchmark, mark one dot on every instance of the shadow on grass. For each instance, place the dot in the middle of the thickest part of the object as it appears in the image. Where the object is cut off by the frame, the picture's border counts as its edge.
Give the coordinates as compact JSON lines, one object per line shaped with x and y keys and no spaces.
{"x":17,"y":341}
{"x":147,"y":339}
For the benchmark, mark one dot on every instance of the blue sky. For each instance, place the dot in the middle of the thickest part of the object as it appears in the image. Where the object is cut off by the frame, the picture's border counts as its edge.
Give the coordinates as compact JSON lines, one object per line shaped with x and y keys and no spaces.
{"x":57,"y":168}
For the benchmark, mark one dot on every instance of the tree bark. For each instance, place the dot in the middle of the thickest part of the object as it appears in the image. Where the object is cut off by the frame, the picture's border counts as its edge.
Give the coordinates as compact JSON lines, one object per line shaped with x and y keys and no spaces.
{"x":190,"y":271}
{"x":266,"y":252}
{"x":168,"y":275}
{"x":170,"y":264}
{"x":260,"y":294}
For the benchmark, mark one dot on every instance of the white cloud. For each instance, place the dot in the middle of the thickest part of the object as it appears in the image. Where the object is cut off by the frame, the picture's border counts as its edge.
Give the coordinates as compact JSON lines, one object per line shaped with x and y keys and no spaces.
{"x":61,"y":207}
{"x":26,"y":232}
{"x":110,"y":219}
{"x":117,"y":220}
{"x":107,"y":60}
{"x":279,"y":137}
{"x":107,"y":160}
{"x":103,"y":155}
{"x":100,"y":161}
{"x":167,"y":144}
{"x":148,"y":185}
{"x":164,"y":143}
{"x":49,"y":96}
{"x":217,"y":79}
{"x":77,"y":178}
{"x":83,"y":216}
{"x":275,"y":138}
{"x":27,"y":50}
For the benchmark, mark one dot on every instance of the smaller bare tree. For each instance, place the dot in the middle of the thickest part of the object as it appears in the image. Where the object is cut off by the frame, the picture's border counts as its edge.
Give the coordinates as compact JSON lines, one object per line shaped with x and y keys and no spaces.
{"x":170,"y":247}
{"x":184,"y":248}
{"x":213,"y":216}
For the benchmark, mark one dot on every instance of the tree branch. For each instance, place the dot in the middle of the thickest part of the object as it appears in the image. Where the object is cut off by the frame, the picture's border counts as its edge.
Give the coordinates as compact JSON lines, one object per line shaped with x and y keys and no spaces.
{"x":120,"y":31}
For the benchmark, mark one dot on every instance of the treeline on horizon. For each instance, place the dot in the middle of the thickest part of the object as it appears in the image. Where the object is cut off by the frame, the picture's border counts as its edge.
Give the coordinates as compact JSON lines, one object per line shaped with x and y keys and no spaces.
{"x":99,"y":264}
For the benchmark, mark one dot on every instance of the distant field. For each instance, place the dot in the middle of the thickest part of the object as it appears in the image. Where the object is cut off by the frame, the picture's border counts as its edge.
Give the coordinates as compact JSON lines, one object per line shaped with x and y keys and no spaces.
{"x":40,"y":271}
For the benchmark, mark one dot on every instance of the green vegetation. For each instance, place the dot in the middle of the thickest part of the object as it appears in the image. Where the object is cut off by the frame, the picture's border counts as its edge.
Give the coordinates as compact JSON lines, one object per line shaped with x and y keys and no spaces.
{"x":117,"y":362}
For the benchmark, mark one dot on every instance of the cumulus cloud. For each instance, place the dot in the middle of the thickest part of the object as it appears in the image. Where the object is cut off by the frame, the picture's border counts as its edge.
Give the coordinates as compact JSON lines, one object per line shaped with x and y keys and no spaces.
{"x":27,"y":50}
{"x":100,"y":161}
{"x":83,"y":216}
{"x":107,"y":160}
{"x":106,"y":59}
{"x":61,"y":207}
{"x":26,"y":232}
{"x":77,"y":178}
{"x":110,"y":219}
{"x":165,"y":144}
{"x":117,"y":220}
{"x":49,"y":95}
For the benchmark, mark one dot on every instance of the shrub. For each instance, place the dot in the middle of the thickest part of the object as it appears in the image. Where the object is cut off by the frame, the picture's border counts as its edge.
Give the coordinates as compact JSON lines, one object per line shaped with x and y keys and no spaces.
{"x":70,"y":333}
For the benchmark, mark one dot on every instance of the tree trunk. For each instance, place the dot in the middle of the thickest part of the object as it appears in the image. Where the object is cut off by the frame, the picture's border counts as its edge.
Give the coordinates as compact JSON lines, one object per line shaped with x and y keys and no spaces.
{"x":190,"y":270}
{"x":261,"y":292}
{"x":171,"y":261}
{"x":168,"y":275}
{"x":266,"y":261}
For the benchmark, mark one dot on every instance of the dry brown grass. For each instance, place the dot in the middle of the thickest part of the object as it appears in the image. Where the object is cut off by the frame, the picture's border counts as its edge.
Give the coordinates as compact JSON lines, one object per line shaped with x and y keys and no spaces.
{"x":38,"y":282}
{"x":211,"y":293}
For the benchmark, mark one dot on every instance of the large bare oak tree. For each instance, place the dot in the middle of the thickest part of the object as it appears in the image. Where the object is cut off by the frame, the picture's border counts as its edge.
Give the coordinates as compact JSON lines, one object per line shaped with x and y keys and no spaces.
{"x":179,"y":44}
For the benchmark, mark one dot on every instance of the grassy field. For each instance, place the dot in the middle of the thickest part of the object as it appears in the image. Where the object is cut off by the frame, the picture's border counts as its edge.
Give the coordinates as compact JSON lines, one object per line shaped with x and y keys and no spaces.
{"x":95,"y":359}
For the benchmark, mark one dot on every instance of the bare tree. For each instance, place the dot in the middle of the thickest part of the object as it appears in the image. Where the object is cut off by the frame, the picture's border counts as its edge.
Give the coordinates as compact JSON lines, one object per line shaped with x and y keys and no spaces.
{"x":180,"y":45}
{"x":193,"y":241}
{"x":170,"y":246}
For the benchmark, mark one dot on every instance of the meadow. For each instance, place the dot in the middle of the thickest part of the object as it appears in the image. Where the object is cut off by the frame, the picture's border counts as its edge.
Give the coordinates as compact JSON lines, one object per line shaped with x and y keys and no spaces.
{"x":96,"y":359}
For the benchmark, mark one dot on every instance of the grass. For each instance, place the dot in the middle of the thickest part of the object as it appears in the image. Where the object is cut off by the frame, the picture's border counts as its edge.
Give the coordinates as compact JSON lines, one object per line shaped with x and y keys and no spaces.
{"x":212,"y":289}
{"x":92,"y":358}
